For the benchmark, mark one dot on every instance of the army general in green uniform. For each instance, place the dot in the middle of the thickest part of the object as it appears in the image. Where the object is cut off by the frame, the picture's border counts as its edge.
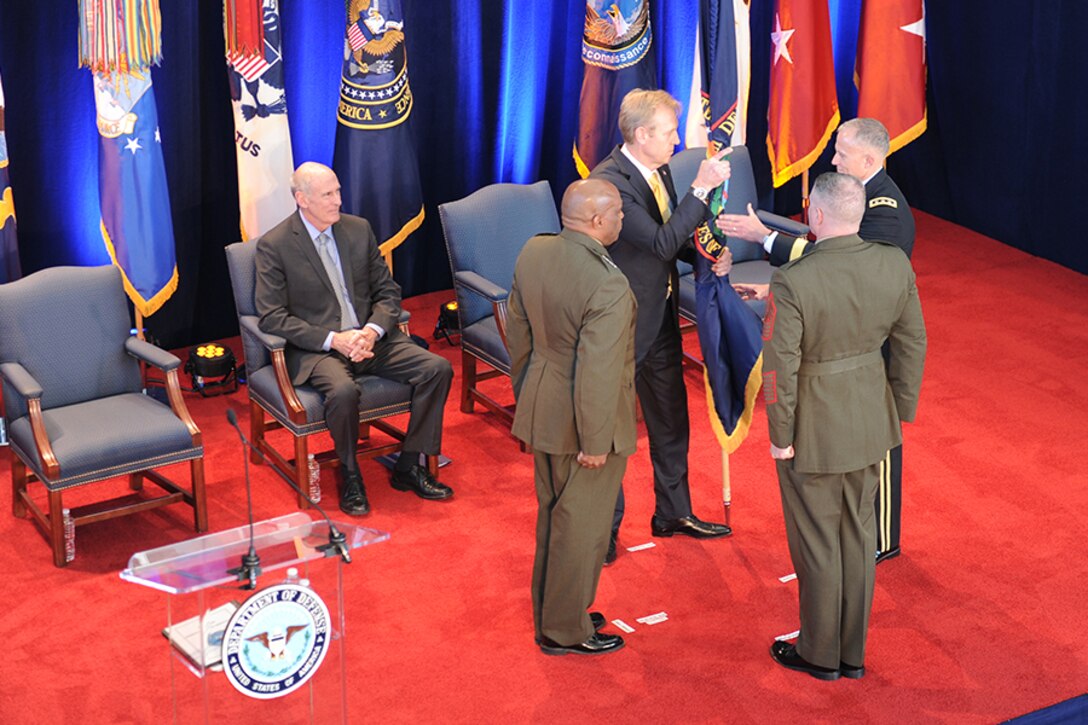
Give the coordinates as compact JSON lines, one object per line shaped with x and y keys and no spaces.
{"x":834,"y":412}
{"x":570,"y":331}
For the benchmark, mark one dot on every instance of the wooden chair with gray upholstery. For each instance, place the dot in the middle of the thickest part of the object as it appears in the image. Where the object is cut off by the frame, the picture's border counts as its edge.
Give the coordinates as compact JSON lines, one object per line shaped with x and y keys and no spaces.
{"x":74,"y":400}
{"x":300,"y":409}
{"x":484,"y":234}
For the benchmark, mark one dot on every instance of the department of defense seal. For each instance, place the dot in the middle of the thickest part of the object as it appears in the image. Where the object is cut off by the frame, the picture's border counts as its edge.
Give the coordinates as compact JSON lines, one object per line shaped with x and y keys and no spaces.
{"x":276,"y":641}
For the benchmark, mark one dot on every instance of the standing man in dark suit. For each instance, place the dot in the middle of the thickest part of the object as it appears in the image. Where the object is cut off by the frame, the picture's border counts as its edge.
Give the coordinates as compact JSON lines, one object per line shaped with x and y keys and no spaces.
{"x":324,"y":287}
{"x":570,"y":332}
{"x":834,"y":412}
{"x":861,"y":147}
{"x":657,"y":227}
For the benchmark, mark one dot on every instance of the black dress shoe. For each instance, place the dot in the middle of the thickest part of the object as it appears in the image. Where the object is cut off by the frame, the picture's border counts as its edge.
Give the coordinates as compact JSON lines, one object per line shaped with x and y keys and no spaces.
{"x":353,"y":500}
{"x":598,"y":620}
{"x":854,"y":673}
{"x":419,"y":481}
{"x":688,"y":526}
{"x":610,"y":555}
{"x":786,"y":655}
{"x":597,"y":644}
{"x":885,"y":555}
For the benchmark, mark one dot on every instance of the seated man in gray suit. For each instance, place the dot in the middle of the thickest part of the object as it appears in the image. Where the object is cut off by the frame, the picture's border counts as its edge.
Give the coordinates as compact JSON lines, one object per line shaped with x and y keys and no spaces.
{"x":323,"y":286}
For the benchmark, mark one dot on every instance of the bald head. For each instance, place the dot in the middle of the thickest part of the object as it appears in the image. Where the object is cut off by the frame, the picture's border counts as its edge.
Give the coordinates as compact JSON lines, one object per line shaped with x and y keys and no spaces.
{"x":593,"y":207}
{"x":317,"y":193}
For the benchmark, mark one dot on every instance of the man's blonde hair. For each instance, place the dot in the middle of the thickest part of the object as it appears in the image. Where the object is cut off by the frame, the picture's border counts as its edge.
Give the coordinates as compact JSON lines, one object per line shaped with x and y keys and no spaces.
{"x":638,"y":108}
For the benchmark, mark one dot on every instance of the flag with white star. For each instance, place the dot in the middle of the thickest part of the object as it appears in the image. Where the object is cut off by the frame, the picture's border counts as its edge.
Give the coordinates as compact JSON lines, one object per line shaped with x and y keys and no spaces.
{"x":10,"y":269}
{"x":891,"y":68}
{"x":804,"y":110}
{"x":262,"y":137}
{"x":374,"y":155}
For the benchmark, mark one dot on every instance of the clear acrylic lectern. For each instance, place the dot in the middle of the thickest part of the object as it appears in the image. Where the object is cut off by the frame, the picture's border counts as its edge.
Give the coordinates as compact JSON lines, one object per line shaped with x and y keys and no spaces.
{"x":202,"y":594}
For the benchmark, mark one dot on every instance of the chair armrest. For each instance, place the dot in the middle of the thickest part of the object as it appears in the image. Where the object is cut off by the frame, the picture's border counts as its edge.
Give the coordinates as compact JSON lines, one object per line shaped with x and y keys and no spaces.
{"x":782,"y":224}
{"x":403,"y":320}
{"x":144,"y":351}
{"x":481,"y":286}
{"x":21,"y":380}
{"x":250,"y":324}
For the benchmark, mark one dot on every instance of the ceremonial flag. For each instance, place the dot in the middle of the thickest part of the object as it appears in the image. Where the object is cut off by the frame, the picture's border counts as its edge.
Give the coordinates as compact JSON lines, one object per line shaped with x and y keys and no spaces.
{"x":9,"y":246}
{"x":118,"y":41}
{"x":616,"y":53}
{"x":375,"y":156}
{"x":891,"y":68}
{"x":804,"y":108}
{"x":722,"y":50}
{"x":261,"y":135}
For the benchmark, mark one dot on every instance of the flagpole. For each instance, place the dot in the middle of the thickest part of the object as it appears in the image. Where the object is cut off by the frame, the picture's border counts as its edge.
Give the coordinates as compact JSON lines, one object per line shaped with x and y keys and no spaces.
{"x":727,"y":493}
{"x":804,"y":196}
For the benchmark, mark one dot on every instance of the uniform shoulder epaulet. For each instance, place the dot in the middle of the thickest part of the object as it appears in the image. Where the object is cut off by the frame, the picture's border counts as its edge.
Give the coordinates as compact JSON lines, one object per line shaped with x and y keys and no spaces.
{"x":883,"y":201}
{"x":607,"y":262}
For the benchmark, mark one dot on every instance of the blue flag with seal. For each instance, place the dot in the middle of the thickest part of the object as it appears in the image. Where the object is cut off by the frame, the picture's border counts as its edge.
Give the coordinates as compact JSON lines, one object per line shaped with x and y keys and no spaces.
{"x":136,"y":222}
{"x":374,"y":156}
{"x":9,"y":244}
{"x":616,"y":45}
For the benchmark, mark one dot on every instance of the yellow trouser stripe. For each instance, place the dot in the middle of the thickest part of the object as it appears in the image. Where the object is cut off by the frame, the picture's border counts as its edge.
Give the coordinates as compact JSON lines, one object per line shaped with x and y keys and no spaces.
{"x":884,"y":503}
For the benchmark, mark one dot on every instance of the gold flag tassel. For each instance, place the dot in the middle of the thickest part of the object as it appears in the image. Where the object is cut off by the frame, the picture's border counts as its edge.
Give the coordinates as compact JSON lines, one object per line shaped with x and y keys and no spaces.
{"x":119,"y":35}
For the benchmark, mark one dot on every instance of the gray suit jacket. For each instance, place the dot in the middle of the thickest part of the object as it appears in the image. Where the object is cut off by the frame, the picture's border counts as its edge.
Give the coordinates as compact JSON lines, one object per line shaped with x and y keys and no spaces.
{"x":824,"y":380}
{"x":570,"y":331}
{"x":295,"y":297}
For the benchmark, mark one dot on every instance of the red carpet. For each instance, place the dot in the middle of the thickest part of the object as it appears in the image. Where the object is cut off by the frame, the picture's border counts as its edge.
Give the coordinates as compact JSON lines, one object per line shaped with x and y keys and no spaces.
{"x":980,"y":619}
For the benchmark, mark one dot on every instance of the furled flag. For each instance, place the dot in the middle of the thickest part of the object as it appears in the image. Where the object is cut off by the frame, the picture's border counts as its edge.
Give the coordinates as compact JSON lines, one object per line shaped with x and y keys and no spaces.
{"x":616,"y":53}
{"x":723,"y":42}
{"x":261,"y":136}
{"x":119,"y":40}
{"x":375,"y":156}
{"x":891,"y":68}
{"x":9,"y":247}
{"x":804,"y":108}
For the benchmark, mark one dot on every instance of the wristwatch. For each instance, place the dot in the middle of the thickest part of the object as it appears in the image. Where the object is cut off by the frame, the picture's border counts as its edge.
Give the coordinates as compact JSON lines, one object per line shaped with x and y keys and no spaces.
{"x":700,"y":193}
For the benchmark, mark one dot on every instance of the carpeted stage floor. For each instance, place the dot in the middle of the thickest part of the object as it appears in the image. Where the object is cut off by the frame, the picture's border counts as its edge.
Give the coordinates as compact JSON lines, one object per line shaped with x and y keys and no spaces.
{"x":980,"y":620}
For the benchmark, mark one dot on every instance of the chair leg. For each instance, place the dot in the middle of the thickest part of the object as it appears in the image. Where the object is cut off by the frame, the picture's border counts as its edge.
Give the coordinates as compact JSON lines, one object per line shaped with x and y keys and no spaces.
{"x":256,"y":431}
{"x":56,"y":528}
{"x":302,"y":469}
{"x":364,"y":431}
{"x":468,"y":380}
{"x":200,"y":498}
{"x":136,"y":481}
{"x":432,"y":465}
{"x":19,"y":480}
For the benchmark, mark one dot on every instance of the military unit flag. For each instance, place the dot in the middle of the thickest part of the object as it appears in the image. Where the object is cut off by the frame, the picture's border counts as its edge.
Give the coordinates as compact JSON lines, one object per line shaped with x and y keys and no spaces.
{"x":374,"y":154}
{"x":891,"y":68}
{"x":119,"y":40}
{"x":616,"y":45}
{"x":9,"y":246}
{"x":804,"y":108}
{"x":262,"y":137}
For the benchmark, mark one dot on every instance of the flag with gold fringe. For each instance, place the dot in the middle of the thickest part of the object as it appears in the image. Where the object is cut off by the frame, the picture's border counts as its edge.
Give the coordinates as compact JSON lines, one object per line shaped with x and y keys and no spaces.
{"x":262,"y":137}
{"x":119,"y":40}
{"x":616,"y":44}
{"x":374,"y":155}
{"x":803,"y":110}
{"x":9,"y":244}
{"x":891,"y":68}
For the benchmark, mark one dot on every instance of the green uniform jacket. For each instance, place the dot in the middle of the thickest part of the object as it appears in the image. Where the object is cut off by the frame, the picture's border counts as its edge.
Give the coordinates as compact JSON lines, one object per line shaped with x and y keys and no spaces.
{"x":824,"y":380}
{"x":570,"y":331}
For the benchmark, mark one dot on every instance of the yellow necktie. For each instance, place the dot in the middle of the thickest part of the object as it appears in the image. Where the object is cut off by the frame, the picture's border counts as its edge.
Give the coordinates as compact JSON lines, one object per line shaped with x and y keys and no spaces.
{"x":662,"y":198}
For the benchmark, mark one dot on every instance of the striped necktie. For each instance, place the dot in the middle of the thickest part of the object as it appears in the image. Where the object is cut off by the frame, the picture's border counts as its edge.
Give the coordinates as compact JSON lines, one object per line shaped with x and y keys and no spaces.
{"x":662,"y":198}
{"x":348,"y":320}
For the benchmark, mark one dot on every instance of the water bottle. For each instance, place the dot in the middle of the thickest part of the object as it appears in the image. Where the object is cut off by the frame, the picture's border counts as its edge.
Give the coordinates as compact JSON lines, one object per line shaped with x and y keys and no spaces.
{"x":315,"y":479}
{"x":69,"y":535}
{"x":292,"y":576}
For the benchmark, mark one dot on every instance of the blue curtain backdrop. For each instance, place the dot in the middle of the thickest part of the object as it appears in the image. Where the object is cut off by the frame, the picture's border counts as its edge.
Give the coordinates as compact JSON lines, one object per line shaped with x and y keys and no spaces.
{"x":496,"y":90}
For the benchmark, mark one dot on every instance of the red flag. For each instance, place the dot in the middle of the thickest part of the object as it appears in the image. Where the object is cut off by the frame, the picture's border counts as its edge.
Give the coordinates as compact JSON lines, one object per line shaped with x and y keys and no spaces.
{"x":804,"y":108}
{"x":891,"y":68}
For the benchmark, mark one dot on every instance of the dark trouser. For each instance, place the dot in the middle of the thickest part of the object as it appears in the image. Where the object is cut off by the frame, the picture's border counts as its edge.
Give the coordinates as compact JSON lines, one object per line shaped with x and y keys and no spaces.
{"x":659,"y":383}
{"x":889,"y":500}
{"x":395,"y":358}
{"x":831,"y":530}
{"x":571,"y":541}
